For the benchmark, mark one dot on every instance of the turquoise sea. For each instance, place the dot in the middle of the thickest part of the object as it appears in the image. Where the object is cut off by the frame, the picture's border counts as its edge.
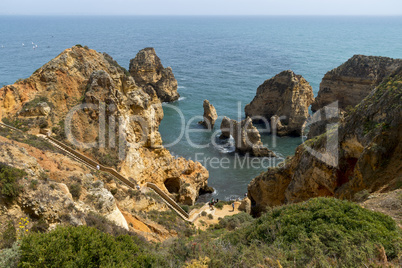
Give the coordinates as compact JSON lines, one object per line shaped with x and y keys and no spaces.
{"x":222,"y":59}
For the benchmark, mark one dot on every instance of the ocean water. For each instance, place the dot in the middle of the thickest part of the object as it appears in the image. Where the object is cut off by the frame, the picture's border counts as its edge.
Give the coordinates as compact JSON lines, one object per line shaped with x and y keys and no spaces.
{"x":222,"y":59}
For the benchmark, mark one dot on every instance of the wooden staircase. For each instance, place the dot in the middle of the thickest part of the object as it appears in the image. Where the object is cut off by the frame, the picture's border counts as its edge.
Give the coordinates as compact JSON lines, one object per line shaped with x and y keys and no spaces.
{"x":94,"y":165}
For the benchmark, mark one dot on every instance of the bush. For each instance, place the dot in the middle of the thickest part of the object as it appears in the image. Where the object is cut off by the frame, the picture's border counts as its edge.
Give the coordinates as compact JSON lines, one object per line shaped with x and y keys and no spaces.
{"x":361,"y":196}
{"x":33,"y":185}
{"x":210,"y":216}
{"x":110,"y":159}
{"x":104,"y":225}
{"x":9,"y":177}
{"x":204,"y":213}
{"x":40,"y":226}
{"x":114,"y":191}
{"x":9,"y":235}
{"x":185,"y":208}
{"x":9,"y":257}
{"x":38,"y":99}
{"x":85,"y":247}
{"x":321,"y":229}
{"x":220,"y":204}
{"x":235,"y":221}
{"x":75,"y":190}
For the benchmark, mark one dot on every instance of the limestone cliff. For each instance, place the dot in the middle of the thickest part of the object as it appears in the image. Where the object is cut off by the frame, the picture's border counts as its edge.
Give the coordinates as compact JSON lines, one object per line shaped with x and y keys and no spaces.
{"x":351,"y":82}
{"x":286,"y":96}
{"x":364,"y":153}
{"x":57,"y":189}
{"x":148,"y":72}
{"x":117,"y":122}
{"x":210,"y":115}
{"x":246,"y":136}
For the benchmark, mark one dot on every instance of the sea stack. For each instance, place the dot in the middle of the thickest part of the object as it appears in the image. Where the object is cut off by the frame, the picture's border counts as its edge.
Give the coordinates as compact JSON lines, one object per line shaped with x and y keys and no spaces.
{"x":147,"y":70}
{"x":352,"y":81}
{"x":286,"y":96}
{"x":363,"y":153}
{"x":210,"y":115}
{"x":246,"y":136}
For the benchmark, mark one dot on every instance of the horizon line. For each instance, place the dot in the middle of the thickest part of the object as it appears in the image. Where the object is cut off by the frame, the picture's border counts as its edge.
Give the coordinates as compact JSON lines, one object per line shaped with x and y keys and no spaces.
{"x":206,"y":15}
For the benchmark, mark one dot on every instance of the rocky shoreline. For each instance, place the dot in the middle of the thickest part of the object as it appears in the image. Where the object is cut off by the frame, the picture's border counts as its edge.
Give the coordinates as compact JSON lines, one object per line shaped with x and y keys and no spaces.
{"x":348,"y":150}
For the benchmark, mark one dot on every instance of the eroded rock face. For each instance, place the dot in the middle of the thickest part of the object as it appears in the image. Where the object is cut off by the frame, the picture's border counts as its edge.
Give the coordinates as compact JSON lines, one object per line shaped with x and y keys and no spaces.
{"x":351,"y":82}
{"x":246,"y":136}
{"x":286,"y":96}
{"x":121,"y":119}
{"x":364,"y":153}
{"x":210,"y":115}
{"x":147,"y":70}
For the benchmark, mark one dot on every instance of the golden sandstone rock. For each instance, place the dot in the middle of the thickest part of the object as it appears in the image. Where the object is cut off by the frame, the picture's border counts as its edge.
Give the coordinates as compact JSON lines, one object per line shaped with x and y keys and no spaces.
{"x":116,"y":110}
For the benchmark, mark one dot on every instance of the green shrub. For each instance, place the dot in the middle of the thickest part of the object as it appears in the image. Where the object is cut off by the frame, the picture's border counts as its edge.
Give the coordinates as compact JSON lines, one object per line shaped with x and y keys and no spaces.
{"x":204,"y":213}
{"x":114,"y":191}
{"x":38,"y":99}
{"x":322,"y":228}
{"x":17,"y":123}
{"x":43,"y":123}
{"x":40,"y":226}
{"x":361,"y":196}
{"x":9,"y":177}
{"x":39,"y":142}
{"x":84,"y":247}
{"x":185,"y":208}
{"x":10,"y":257}
{"x":33,"y":185}
{"x":220,"y":204}
{"x":9,"y":236}
{"x":235,"y":221}
{"x":104,"y":225}
{"x":75,"y":190}
{"x":110,"y":159}
{"x":210,"y":216}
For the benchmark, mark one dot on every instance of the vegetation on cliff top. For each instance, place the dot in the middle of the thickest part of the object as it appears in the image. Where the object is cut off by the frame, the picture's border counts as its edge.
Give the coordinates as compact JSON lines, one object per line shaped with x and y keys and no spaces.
{"x":322,"y":232}
{"x":9,"y":177}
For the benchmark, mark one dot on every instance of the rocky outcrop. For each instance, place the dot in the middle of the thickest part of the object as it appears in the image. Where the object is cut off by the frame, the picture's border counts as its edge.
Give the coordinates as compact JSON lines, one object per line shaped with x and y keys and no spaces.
{"x":245,"y":205}
{"x":351,"y":82}
{"x":285,"y":97}
{"x":322,"y":120}
{"x":116,"y":121}
{"x":210,"y":115}
{"x":364,"y":153}
{"x":48,"y":198}
{"x":148,"y":72}
{"x":246,"y":136}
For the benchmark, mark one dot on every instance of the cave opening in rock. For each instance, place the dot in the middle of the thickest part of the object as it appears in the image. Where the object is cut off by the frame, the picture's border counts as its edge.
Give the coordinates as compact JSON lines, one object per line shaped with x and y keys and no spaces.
{"x":172,"y":185}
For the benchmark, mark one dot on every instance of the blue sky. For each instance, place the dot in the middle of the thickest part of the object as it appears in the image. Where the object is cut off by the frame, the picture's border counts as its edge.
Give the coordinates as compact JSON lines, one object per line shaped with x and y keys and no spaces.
{"x":204,"y":7}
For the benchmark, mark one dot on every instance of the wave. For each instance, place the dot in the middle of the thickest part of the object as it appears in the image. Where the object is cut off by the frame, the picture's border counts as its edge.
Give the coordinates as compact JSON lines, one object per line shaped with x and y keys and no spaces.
{"x":181,"y":98}
{"x":181,"y":87}
{"x":225,"y":146}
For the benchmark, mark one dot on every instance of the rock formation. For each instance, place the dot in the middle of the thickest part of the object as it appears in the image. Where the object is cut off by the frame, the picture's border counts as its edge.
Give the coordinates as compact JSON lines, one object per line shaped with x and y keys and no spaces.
{"x":246,"y":136}
{"x":210,"y":115}
{"x":351,"y":82}
{"x":148,"y":72}
{"x":117,"y":124}
{"x":364,"y":153}
{"x":48,"y":198}
{"x":286,"y":96}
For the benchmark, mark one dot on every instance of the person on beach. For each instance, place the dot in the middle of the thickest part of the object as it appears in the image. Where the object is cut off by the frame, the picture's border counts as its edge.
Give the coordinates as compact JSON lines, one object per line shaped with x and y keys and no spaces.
{"x":211,"y":204}
{"x":233,"y":205}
